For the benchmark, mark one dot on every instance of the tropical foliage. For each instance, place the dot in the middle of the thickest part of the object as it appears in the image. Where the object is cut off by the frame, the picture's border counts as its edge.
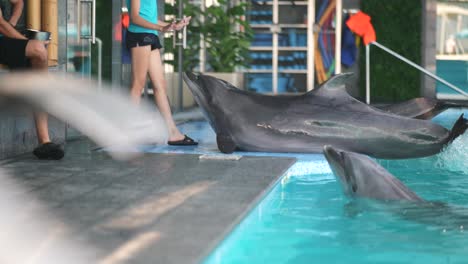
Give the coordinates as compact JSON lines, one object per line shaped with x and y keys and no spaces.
{"x":226,"y":34}
{"x":398,"y":25}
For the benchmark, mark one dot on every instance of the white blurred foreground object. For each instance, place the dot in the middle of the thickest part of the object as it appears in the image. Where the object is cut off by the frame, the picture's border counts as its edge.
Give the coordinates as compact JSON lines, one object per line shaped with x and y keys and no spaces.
{"x":30,"y":234}
{"x":109,"y":119}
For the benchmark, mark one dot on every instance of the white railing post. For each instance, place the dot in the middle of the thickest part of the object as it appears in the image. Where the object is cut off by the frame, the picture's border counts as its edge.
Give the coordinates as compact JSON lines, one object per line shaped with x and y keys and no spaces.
{"x":99,"y":69}
{"x":368,"y":74}
{"x":339,"y":21}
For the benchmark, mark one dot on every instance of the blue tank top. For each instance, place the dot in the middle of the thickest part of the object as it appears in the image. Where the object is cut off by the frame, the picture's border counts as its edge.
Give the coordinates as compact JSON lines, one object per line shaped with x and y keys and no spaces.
{"x":148,"y":11}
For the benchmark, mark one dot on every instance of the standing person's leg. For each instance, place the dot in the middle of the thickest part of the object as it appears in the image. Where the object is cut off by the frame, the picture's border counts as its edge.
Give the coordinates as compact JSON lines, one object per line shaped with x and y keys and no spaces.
{"x":156,"y":74}
{"x":160,"y":94}
{"x":140,"y":65}
{"x":37,"y":55}
{"x":27,"y":54}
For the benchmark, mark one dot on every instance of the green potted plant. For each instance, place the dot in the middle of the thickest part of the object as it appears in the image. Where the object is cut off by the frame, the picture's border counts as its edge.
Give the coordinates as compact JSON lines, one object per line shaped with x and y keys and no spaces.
{"x":226,"y":34}
{"x":227,"y":37}
{"x":191,"y":53}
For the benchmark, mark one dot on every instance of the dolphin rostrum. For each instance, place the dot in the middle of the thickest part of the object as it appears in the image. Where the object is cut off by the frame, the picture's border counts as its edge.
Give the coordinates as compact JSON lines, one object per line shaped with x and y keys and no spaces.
{"x":305,"y":123}
{"x":362,"y":177}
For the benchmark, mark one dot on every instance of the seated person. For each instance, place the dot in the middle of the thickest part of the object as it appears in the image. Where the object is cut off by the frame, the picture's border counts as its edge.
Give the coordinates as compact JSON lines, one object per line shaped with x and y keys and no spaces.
{"x":12,"y":11}
{"x":17,"y":52}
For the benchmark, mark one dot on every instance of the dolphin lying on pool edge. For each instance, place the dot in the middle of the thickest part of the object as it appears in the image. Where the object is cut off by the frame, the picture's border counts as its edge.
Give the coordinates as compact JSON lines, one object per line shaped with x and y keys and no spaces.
{"x":327,"y":115}
{"x":362,"y":177}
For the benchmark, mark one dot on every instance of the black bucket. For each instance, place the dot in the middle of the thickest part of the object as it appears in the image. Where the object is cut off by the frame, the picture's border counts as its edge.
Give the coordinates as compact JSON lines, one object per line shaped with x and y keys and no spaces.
{"x":38,"y":35}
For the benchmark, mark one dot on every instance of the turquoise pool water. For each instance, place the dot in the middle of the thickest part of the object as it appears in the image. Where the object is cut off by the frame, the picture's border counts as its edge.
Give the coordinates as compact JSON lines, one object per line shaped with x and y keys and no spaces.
{"x":453,"y":71}
{"x":307,"y":219}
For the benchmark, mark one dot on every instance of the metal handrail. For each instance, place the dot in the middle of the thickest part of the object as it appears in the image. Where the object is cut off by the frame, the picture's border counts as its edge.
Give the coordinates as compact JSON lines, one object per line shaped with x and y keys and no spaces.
{"x":391,"y":52}
{"x":99,"y":70}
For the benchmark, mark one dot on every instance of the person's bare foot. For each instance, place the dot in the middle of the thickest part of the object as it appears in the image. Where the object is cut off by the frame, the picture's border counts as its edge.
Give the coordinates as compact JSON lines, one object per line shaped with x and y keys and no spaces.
{"x":176,"y":137}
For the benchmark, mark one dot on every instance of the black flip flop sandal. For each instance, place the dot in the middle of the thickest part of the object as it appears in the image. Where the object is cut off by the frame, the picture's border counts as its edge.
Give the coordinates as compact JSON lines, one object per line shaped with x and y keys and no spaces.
{"x":49,"y":151}
{"x":187,"y":141}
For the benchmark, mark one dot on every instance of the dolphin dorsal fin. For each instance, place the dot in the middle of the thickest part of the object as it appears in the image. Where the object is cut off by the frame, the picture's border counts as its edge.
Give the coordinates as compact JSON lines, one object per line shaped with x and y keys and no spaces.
{"x":336,"y":82}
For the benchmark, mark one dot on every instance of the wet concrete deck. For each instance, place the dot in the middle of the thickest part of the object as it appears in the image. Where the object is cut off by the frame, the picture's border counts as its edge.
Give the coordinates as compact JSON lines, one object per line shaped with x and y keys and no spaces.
{"x":160,"y":208}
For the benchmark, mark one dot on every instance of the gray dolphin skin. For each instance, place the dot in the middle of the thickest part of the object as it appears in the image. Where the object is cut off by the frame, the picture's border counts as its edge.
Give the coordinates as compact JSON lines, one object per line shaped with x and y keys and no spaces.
{"x":361,"y":177}
{"x":304,"y":123}
{"x":422,"y":107}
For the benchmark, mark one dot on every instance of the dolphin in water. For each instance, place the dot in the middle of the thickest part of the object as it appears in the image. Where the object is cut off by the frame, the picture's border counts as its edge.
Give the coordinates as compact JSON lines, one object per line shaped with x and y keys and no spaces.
{"x":305,"y":123}
{"x":362,"y":177}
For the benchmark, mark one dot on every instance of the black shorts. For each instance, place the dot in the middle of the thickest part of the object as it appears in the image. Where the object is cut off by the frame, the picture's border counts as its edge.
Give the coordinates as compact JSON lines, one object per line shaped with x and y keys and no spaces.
{"x":142,"y":39}
{"x":13,"y":53}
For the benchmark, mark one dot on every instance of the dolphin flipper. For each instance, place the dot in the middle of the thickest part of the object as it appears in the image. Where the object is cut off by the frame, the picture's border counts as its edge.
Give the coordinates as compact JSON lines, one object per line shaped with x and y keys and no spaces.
{"x":225,"y":144}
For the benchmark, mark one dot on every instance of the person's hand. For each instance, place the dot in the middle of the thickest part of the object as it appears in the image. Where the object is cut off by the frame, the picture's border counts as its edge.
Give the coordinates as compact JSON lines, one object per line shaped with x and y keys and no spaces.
{"x":168,"y":27}
{"x":184,"y":22}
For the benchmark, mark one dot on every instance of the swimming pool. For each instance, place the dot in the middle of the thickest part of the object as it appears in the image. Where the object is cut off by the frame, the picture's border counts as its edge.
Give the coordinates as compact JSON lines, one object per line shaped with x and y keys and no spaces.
{"x":307,"y":219}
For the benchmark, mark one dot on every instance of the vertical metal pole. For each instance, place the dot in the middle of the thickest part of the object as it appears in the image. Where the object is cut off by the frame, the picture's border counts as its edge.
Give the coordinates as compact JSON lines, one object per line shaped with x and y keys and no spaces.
{"x":93,"y":23}
{"x":202,"y":40}
{"x":442,"y":34}
{"x":310,"y":44}
{"x":275,"y":32}
{"x":99,"y":69}
{"x":339,"y":21}
{"x":78,"y":20}
{"x":180,"y":62}
{"x":459,"y":22}
{"x":368,"y":73}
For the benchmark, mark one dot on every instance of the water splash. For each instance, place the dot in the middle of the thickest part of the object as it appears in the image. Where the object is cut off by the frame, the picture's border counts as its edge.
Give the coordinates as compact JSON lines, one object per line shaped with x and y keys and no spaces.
{"x":307,"y":167}
{"x":454,"y":157}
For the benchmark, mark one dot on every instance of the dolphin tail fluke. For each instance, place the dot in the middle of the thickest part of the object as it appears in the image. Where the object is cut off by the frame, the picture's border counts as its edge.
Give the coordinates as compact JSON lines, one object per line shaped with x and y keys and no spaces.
{"x":458,"y":128}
